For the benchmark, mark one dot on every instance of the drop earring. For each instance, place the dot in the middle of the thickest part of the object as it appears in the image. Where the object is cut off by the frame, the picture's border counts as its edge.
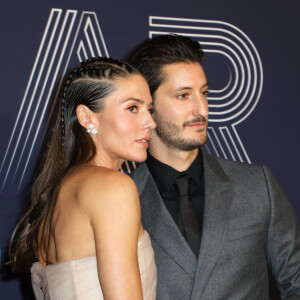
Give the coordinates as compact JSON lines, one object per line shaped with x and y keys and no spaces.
{"x":92,"y":129}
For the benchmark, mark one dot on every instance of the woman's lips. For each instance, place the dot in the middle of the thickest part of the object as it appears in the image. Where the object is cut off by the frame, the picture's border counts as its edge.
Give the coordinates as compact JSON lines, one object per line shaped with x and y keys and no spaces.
{"x":144,"y":141}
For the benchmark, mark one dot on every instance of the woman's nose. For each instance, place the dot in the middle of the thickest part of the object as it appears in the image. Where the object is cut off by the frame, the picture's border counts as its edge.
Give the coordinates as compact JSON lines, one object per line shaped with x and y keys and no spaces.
{"x":149,"y":122}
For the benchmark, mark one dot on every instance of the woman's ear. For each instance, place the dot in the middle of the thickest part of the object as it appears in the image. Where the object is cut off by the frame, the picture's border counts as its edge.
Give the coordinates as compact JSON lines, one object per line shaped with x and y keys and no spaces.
{"x":83,"y":115}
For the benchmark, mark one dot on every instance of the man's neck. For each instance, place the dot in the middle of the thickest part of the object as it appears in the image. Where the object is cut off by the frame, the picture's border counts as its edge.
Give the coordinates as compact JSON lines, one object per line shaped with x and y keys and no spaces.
{"x":177,"y":159}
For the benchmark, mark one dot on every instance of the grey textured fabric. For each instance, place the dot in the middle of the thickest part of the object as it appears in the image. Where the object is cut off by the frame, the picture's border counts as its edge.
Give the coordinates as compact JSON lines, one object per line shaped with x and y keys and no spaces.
{"x":248,"y":225}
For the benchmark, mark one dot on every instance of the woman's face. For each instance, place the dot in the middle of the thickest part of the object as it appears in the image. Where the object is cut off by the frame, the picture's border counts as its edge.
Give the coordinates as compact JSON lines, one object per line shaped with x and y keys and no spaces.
{"x":125,"y":124}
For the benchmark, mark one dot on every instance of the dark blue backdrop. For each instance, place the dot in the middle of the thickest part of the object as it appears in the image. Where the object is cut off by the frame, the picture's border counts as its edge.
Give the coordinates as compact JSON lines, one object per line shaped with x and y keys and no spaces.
{"x":252,"y":63}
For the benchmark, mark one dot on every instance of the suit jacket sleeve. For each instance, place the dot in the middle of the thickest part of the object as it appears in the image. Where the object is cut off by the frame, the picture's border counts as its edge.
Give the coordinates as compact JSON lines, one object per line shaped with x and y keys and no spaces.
{"x":283,"y":242}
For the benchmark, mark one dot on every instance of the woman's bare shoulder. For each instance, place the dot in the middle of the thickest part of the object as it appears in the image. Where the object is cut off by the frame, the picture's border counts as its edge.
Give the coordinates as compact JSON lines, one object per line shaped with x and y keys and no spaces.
{"x":99,"y":186}
{"x":106,"y":180}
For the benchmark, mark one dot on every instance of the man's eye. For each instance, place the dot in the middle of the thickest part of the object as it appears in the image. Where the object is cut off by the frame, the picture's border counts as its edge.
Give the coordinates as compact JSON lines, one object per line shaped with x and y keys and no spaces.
{"x":133,"y":109}
{"x":183,"y":96}
{"x":204,"y":93}
{"x":151,"y":110}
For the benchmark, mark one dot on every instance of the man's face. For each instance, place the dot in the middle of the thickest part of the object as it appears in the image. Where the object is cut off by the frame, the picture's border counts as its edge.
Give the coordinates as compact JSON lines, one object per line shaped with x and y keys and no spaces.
{"x":180,"y":106}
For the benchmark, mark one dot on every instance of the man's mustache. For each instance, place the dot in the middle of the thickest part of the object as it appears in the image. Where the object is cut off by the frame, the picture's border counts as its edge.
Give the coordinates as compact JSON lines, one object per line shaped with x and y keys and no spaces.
{"x":196,"y":120}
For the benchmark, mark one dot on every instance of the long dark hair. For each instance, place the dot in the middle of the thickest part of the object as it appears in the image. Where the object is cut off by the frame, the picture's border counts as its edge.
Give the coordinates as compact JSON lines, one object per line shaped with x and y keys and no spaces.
{"x":87,"y":84}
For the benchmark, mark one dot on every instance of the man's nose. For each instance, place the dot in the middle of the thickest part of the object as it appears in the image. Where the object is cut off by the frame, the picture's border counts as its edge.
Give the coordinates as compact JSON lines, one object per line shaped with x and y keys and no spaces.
{"x":200,"y":106}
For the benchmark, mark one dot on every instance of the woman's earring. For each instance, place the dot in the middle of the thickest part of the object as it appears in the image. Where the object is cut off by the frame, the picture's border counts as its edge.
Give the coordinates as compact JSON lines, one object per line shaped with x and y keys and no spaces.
{"x":92,"y":129}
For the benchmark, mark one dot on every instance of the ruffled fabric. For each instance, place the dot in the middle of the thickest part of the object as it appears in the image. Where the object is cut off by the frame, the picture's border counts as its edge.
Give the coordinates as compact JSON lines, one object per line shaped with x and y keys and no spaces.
{"x":78,"y":278}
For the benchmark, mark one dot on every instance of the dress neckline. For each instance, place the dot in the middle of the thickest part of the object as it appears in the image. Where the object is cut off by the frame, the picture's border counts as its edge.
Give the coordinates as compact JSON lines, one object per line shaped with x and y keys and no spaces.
{"x":40,"y":266}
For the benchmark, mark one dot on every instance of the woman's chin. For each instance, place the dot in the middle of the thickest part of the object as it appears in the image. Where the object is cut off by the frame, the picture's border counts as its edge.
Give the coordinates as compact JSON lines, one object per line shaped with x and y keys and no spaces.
{"x":140,"y":158}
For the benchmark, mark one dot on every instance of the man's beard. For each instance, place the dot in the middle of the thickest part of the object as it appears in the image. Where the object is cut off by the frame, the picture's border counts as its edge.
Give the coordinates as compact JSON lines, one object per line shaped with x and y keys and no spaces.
{"x":168,"y":132}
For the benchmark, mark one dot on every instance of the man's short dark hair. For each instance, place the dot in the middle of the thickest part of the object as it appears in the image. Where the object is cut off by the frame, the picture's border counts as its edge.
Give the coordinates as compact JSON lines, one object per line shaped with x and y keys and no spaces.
{"x":151,"y":55}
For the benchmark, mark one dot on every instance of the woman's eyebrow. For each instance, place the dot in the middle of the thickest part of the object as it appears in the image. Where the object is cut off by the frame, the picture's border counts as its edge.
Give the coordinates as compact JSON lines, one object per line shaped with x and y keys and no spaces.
{"x":134,"y":99}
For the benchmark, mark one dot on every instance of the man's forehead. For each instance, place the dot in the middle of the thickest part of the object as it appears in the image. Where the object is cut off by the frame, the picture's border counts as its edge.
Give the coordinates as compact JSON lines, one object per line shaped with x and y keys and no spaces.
{"x":183,"y":71}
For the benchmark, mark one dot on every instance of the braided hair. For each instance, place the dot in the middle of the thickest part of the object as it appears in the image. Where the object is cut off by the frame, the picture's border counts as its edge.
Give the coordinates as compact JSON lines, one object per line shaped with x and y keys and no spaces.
{"x":88,"y":84}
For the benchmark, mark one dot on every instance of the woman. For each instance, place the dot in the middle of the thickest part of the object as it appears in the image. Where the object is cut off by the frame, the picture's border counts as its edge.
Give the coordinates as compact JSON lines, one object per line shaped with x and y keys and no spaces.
{"x":83,"y":225}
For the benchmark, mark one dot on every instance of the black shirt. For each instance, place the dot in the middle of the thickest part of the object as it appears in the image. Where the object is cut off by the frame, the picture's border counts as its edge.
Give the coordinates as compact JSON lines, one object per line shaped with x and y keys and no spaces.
{"x":165,"y":176}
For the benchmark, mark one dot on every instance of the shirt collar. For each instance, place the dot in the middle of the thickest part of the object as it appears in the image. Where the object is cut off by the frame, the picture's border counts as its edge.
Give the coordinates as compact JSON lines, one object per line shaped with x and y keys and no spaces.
{"x":164,"y":175}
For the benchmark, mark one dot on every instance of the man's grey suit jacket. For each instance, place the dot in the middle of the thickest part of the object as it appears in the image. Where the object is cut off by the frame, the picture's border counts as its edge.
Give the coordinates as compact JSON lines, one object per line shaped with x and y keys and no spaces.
{"x":248,"y":225}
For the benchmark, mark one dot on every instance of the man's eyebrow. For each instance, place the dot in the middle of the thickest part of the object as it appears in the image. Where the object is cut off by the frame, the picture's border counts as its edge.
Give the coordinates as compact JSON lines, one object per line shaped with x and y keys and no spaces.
{"x":205,"y":85}
{"x":183,"y":88}
{"x":189,"y":88}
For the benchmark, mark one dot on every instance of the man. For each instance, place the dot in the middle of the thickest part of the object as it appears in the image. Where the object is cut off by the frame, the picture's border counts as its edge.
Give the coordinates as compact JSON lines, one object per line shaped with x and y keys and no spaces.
{"x":215,"y":224}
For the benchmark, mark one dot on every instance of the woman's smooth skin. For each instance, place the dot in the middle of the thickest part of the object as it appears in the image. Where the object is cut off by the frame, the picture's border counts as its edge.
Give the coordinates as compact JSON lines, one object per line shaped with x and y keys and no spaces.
{"x":97,"y":211}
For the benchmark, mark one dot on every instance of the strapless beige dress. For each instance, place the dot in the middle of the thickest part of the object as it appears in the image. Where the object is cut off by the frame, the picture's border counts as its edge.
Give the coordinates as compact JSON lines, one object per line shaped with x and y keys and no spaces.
{"x":78,"y":278}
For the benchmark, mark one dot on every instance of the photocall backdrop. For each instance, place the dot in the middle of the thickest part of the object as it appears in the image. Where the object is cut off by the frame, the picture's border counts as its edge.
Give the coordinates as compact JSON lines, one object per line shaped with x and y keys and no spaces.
{"x":251,"y":60}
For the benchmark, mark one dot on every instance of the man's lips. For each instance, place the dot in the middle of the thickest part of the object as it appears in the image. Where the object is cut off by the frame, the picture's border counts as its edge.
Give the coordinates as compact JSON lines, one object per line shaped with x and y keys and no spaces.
{"x":196,"y":124}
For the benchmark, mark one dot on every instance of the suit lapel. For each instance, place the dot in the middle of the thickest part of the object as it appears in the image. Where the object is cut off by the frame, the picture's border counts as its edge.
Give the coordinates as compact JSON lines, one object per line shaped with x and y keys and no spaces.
{"x":218,"y":194}
{"x":159,"y":223}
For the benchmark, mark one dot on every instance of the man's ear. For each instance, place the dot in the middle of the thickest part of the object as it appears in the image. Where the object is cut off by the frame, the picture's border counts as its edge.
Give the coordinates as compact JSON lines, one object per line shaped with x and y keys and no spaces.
{"x":83,"y":115}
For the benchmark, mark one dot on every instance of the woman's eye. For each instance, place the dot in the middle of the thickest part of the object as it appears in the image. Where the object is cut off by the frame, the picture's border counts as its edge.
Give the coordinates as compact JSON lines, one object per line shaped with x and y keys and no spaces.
{"x":133,"y":109}
{"x":204,"y":93}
